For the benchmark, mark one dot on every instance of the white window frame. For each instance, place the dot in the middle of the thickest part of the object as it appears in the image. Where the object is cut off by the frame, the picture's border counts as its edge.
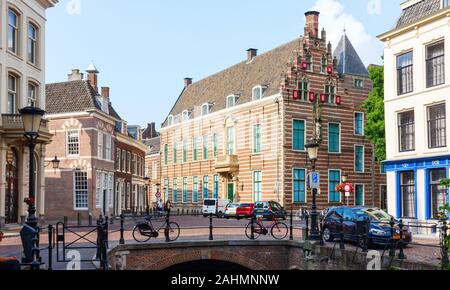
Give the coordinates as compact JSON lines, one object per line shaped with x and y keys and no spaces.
{"x":108,"y":147}
{"x":364,"y":194}
{"x":135,"y":164}
{"x":306,"y":184}
{"x":86,"y":191}
{"x":16,"y":28}
{"x":207,"y":109}
{"x":234,"y":101}
{"x":363,"y":161}
{"x":33,"y":42}
{"x":253,"y":139}
{"x":170,"y":120}
{"x":260,"y":88}
{"x":253,"y":186}
{"x":328,"y":186}
{"x":67,"y":142}
{"x":129,"y":164}
{"x":186,"y":115}
{"x":100,"y":150}
{"x":14,"y":93}
{"x":99,"y":189}
{"x":340,"y":138}
{"x":305,"y":135}
{"x":363,"y":123}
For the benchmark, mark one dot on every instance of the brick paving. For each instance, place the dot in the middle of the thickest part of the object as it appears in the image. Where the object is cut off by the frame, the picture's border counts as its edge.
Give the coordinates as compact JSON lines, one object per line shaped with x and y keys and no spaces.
{"x":194,"y":229}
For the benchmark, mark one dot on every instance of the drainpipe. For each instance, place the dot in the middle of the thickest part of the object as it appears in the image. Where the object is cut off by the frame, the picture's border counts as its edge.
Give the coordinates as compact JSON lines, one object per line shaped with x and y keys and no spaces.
{"x":277,"y":101}
{"x":373,"y":175}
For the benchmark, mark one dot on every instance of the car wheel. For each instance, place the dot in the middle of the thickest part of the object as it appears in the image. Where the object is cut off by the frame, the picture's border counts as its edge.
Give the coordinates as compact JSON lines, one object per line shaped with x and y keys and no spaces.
{"x":327,"y":235}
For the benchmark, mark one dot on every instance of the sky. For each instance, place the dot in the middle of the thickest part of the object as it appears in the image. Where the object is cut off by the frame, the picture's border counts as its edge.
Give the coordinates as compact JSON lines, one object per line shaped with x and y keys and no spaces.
{"x":145,"y":48}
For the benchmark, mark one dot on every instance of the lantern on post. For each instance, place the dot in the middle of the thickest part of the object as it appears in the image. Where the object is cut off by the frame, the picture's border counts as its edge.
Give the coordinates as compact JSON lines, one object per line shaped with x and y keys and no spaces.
{"x":312,"y":97}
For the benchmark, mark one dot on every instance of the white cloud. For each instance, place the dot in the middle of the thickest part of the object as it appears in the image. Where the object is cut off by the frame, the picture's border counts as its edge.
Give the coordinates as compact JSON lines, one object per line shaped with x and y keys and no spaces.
{"x":334,"y":19}
{"x":374,"y":7}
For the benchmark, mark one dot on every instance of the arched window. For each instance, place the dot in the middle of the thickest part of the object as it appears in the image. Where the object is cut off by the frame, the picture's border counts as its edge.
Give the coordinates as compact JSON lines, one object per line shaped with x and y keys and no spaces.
{"x":205,"y":109}
{"x":12,"y":102}
{"x":309,"y":62}
{"x":257,"y":93}
{"x":32,"y":43}
{"x":170,"y":120}
{"x":33,"y":94}
{"x":324,"y":64}
{"x":186,"y":115}
{"x":13,"y":31}
{"x":231,"y":101}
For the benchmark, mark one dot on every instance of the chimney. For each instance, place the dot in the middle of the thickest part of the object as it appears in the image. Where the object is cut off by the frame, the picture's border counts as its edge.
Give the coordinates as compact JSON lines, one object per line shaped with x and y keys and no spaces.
{"x":105,"y":92}
{"x":251,"y":53}
{"x":187,"y":82}
{"x":324,"y":35}
{"x":92,"y":75}
{"x":75,"y":75}
{"x":312,"y":24}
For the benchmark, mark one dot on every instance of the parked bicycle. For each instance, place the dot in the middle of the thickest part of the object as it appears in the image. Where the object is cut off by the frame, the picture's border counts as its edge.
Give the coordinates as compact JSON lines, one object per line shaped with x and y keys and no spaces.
{"x":278,"y":230}
{"x":144,"y":231}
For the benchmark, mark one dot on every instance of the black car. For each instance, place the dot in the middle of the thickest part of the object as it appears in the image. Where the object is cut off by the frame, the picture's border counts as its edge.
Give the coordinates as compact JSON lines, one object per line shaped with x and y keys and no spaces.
{"x":269,"y":210}
{"x":354,"y":217}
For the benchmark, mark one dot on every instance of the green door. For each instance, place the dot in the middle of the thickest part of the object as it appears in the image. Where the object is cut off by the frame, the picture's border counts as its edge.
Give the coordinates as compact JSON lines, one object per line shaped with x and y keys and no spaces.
{"x":231,"y":192}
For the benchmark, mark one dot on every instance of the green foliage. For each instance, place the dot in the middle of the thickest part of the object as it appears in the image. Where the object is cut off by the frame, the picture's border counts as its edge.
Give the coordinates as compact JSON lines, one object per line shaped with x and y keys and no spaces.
{"x":374,"y":108}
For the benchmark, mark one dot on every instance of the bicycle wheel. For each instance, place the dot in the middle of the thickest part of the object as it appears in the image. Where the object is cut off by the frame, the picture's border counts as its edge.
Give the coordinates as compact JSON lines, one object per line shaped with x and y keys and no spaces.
{"x":279,"y":231}
{"x":174,"y":231}
{"x":138,"y":236}
{"x":256,"y":233}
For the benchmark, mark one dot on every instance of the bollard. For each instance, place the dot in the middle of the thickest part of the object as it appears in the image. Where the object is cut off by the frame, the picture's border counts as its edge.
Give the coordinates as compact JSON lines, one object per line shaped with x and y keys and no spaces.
{"x":252,"y":228}
{"x":291,"y":227}
{"x":401,"y":254}
{"x":35,"y":265}
{"x":322,"y":242}
{"x":307,"y":226}
{"x":211,"y":227}
{"x":112,"y":219}
{"x":66,"y":221}
{"x":445,"y":260}
{"x":392,"y":242}
{"x":99,"y":238}
{"x":366,"y":235}
{"x":122,"y":230}
{"x":50,"y":248}
{"x":79,"y":219}
{"x":90,"y":219}
{"x":341,"y":235}
{"x":166,"y":230}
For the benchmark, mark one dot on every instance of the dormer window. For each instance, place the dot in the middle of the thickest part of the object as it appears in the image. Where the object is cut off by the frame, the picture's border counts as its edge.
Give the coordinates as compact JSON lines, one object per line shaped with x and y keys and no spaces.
{"x":170,"y":120}
{"x":231,"y":101}
{"x":205,"y":109}
{"x":324,"y":64}
{"x":186,"y":115}
{"x":257,"y":93}
{"x":309,"y":63}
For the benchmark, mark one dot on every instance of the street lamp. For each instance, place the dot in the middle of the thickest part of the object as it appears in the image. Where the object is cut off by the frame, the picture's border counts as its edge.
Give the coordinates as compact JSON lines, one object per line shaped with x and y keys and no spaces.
{"x":55,"y":163}
{"x":344,"y":178}
{"x":313,"y":149}
{"x":31,"y":117}
{"x":147,"y":193}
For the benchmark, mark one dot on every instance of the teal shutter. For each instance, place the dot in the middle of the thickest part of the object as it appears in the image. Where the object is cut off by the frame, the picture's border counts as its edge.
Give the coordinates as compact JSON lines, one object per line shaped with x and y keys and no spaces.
{"x":359,"y":122}
{"x":335,"y":180}
{"x":299,"y":186}
{"x":359,"y":195}
{"x":205,"y":187}
{"x":334,"y":138}
{"x":195,"y":190}
{"x":216,"y":186}
{"x":184,"y":189}
{"x":359,"y":159}
{"x":298,"y":135}
{"x":175,"y":190}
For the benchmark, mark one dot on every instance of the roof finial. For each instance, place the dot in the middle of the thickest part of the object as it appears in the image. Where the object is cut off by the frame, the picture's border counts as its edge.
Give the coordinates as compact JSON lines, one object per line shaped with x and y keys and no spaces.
{"x":345,"y":30}
{"x":92,"y":68}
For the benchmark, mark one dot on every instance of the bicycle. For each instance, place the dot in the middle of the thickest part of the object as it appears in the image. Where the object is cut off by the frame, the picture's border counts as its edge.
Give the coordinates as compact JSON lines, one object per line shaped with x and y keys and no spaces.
{"x":278,"y":230}
{"x":144,"y":231}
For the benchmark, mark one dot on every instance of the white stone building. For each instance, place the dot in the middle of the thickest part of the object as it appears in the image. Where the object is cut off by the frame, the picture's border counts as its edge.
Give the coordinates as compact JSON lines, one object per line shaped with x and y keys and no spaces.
{"x":22,"y":82}
{"x":417,"y":103}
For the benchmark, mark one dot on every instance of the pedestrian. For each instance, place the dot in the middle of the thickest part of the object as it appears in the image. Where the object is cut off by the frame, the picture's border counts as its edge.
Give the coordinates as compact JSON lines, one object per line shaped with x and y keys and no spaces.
{"x":160,"y":205}
{"x":167,"y":207}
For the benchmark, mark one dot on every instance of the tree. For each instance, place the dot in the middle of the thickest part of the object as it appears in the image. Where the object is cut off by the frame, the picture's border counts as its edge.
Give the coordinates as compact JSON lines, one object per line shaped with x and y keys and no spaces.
{"x":374,"y":108}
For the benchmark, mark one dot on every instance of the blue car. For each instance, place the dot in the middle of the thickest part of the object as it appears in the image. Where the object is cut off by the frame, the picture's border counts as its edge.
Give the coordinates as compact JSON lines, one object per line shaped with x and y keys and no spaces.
{"x":379,"y":227}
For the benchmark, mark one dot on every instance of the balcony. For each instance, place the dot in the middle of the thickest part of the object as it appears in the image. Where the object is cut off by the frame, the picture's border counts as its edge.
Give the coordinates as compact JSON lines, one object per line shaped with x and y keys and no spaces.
{"x":14,"y":124}
{"x":227,"y":164}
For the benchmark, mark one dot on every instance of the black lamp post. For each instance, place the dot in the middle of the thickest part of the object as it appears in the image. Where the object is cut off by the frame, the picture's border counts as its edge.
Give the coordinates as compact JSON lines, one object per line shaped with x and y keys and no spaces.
{"x":147,"y":199}
{"x":313,"y":149}
{"x":344,"y":181}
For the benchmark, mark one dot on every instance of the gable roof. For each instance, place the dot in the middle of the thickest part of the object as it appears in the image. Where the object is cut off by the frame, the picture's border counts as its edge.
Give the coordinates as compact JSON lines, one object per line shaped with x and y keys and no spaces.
{"x":73,"y":96}
{"x":349,"y":60}
{"x":153,"y":145}
{"x":418,"y":11}
{"x":266,"y":70}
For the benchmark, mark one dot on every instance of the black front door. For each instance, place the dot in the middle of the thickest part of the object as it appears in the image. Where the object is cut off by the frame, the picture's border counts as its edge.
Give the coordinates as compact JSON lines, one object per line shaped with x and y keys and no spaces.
{"x":12,"y":189}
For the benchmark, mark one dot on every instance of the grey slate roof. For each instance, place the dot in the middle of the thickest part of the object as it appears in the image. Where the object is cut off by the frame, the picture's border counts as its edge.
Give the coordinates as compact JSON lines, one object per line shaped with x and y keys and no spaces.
{"x":73,"y":96}
{"x":349,"y":60}
{"x":153,"y":145}
{"x":418,"y":11}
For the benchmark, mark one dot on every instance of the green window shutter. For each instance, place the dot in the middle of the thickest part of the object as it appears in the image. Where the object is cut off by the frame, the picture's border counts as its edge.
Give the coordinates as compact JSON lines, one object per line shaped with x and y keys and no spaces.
{"x":334,"y":180}
{"x":359,"y":195}
{"x":359,"y":159}
{"x":195,"y":190}
{"x":257,"y":138}
{"x":334,"y":145}
{"x":298,"y":186}
{"x":298,"y":135}
{"x":359,"y":124}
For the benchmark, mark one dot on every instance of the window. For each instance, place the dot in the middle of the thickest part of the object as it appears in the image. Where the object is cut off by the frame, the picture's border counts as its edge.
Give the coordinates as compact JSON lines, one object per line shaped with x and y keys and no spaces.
{"x":437,"y":127}
{"x":359,"y":83}
{"x":186,"y":115}
{"x":12,"y":104}
{"x":303,"y":88}
{"x":334,"y":180}
{"x":324,"y":64}
{"x":118,"y":160}
{"x":257,"y":186}
{"x":135,"y":167}
{"x":257,"y":139}
{"x":185,"y":194}
{"x":110,"y":190}
{"x":184,"y":151}
{"x":170,"y":120}
{"x":166,"y":189}
{"x":231,"y":101}
{"x":32,"y":43}
{"x":32,"y":95}
{"x":216,"y":145}
{"x":129,"y":162}
{"x":257,"y":93}
{"x":330,"y":91}
{"x":359,"y":123}
{"x":299,"y":185}
{"x":309,"y":63}
{"x":359,"y":159}
{"x":384,"y":199}
{"x":435,"y":64}
{"x":359,"y":195}
{"x":298,"y":135}
{"x":135,"y":200}
{"x":406,"y":131}
{"x":407,"y":190}
{"x":175,"y":190}
{"x":405,"y":73}
{"x":334,"y":138}
{"x":195,"y":149}
{"x":205,"y":109}
{"x":438,"y":193}
{"x":175,"y":152}
{"x":124,"y":161}
{"x":166,"y":154}
{"x":13,"y":28}
{"x":195,"y":190}
{"x":108,"y":147}
{"x":73,"y":143}
{"x":230,"y":140}
{"x":216,"y":186}
{"x":98,"y":191}
{"x":205,"y":187}
{"x":81,"y":190}
{"x":205,"y":147}
{"x":128,"y":196}
{"x":100,"y":145}
{"x":154,"y":170}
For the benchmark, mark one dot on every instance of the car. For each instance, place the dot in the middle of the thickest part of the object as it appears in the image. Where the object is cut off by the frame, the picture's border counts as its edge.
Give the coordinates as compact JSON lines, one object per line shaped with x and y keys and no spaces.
{"x":230,"y":210}
{"x":214,"y":206}
{"x":245,"y":210}
{"x":270,"y":210}
{"x":354,"y":217}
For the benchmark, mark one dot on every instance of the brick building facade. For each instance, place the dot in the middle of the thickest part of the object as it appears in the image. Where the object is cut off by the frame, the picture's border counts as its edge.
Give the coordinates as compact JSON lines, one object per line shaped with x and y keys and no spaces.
{"x":240,"y":134}
{"x":153,"y":162}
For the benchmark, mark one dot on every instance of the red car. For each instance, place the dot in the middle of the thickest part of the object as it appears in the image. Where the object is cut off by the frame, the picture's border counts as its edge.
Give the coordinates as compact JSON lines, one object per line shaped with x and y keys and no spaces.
{"x":245,"y":210}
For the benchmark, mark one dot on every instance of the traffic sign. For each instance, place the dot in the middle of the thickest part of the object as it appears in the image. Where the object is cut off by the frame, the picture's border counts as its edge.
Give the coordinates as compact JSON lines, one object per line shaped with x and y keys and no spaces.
{"x":315,"y":180}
